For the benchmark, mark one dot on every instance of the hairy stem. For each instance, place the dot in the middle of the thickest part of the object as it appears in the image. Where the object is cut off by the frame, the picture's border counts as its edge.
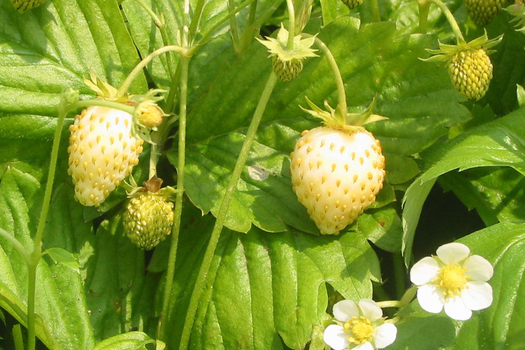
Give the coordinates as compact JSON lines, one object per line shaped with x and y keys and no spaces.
{"x":451,"y":20}
{"x":223,"y":210}
{"x":195,"y":20}
{"x":234,"y":26}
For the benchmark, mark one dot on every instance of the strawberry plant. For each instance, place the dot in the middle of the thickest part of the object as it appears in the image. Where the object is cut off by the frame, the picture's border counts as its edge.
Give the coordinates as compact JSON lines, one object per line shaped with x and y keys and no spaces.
{"x":173,"y":174}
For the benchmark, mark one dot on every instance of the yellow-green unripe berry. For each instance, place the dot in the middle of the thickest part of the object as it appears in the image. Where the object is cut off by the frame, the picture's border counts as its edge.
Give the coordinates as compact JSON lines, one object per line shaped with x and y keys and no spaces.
{"x":352,"y":4}
{"x":286,"y":70}
{"x":148,"y":219}
{"x":25,"y":5}
{"x":471,"y":72}
{"x":483,"y":11}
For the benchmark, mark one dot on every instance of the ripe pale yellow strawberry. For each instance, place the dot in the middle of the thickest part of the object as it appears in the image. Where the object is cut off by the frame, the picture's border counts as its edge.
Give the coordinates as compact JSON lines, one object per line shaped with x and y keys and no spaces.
{"x":336,"y":175}
{"x":102,"y":152}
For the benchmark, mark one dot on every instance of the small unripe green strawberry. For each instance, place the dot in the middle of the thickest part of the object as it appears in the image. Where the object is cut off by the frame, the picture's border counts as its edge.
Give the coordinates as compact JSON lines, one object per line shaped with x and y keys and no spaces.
{"x":471,"y":72}
{"x":148,"y":219}
{"x":25,"y":5}
{"x":102,"y":152}
{"x":287,"y":70}
{"x":336,"y":175}
{"x":483,"y":11}
{"x":352,"y":4}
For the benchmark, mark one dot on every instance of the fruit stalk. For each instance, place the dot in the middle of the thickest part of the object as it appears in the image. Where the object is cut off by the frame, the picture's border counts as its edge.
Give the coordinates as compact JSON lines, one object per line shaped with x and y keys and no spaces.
{"x":291,"y":28}
{"x":451,"y":20}
{"x":223,"y":210}
{"x":341,"y":94}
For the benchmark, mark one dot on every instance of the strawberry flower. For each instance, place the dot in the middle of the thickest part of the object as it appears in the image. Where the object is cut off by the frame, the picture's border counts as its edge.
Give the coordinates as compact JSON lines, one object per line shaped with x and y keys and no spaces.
{"x":359,"y":327}
{"x":453,"y":280}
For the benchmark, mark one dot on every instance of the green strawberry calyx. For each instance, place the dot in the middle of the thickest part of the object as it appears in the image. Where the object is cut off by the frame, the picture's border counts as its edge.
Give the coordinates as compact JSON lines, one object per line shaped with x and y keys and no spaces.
{"x":153,"y":185}
{"x":518,"y":11}
{"x":350,"y":122}
{"x":302,"y":47}
{"x":447,"y":51}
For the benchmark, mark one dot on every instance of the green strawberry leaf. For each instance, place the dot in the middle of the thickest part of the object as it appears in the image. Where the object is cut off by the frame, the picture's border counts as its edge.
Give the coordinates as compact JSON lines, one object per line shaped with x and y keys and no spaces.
{"x":264,"y":286}
{"x":498,"y":143}
{"x":264,"y":197}
{"x":62,"y":256}
{"x":114,"y":281}
{"x":55,"y":46}
{"x":148,"y":37}
{"x":496,"y":193}
{"x":126,"y":341}
{"x":63,"y":321}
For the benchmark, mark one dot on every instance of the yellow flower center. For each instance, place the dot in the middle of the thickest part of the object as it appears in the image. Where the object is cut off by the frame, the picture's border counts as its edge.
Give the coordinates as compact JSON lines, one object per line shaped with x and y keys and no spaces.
{"x":360,"y":329}
{"x":451,"y":280}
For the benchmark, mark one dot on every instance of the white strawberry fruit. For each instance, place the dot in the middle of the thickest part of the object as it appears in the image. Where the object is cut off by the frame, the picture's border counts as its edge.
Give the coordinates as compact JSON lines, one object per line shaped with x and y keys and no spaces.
{"x":337,"y":169}
{"x":102,"y":152}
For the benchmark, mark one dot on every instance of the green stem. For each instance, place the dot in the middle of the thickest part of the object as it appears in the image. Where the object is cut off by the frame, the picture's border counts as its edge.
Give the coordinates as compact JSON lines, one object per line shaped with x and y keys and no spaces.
{"x":234,"y":27}
{"x":341,"y":94}
{"x":376,"y":12}
{"x":160,"y":23}
{"x":198,"y":289}
{"x":36,"y":254}
{"x":399,"y":274}
{"x":197,"y":14}
{"x":291,"y":24}
{"x":451,"y":20}
{"x":138,"y":69}
{"x":388,"y":303}
{"x":153,"y":159}
{"x":18,"y":339}
{"x":16,"y":244}
{"x":102,"y":103}
{"x":424,"y":7}
{"x":206,"y":36}
{"x":172,"y":258}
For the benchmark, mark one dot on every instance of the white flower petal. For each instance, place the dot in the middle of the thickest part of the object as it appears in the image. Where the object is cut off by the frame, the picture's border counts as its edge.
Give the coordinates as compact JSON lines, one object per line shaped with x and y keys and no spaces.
{"x":370,"y":309}
{"x":430,"y":299}
{"x":335,"y":337}
{"x":364,"y":346}
{"x":478,"y":268}
{"x":477,"y":296}
{"x":456,"y":309}
{"x":385,"y":335}
{"x":424,"y":271}
{"x":452,"y":253}
{"x":345,"y":309}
